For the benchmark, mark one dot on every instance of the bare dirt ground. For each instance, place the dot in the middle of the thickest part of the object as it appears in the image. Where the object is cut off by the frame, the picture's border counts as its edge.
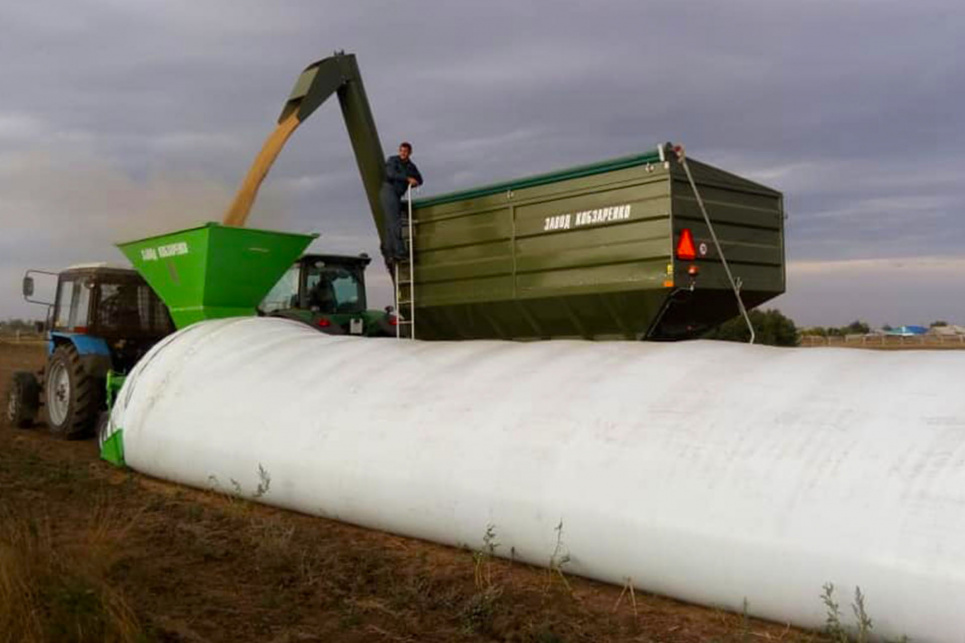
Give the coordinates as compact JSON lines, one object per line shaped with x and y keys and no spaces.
{"x":92,"y":553}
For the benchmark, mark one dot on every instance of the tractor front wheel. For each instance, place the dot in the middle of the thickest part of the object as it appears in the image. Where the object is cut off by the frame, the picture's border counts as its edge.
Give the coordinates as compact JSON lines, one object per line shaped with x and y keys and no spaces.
{"x":72,"y":397}
{"x":23,"y":400}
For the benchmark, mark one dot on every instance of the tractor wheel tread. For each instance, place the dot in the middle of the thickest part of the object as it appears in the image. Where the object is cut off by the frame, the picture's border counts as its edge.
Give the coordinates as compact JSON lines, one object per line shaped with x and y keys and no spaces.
{"x":23,"y":400}
{"x":85,"y":396}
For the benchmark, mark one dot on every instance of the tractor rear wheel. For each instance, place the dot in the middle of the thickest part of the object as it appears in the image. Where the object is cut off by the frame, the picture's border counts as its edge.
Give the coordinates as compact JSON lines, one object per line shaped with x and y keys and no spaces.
{"x":23,"y":400}
{"x":72,"y":397}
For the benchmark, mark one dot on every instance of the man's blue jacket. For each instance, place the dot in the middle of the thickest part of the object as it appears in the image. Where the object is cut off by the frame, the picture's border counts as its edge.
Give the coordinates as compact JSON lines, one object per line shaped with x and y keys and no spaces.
{"x":396,"y":173}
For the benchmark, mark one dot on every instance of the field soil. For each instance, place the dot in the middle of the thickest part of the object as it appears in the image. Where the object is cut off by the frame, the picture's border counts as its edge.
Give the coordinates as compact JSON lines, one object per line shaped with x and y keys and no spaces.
{"x":89,"y":552}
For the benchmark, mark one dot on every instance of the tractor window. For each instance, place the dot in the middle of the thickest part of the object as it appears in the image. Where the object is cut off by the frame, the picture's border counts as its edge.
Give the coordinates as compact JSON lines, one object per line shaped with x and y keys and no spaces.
{"x":131,"y":307}
{"x":346,"y":291}
{"x":73,"y":304}
{"x":63,"y":303}
{"x":119,"y":307}
{"x":333,"y":289}
{"x":284,"y":294}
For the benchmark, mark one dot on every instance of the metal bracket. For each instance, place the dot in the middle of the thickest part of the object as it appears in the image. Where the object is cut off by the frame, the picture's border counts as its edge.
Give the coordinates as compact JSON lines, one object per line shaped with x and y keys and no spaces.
{"x":735,"y":284}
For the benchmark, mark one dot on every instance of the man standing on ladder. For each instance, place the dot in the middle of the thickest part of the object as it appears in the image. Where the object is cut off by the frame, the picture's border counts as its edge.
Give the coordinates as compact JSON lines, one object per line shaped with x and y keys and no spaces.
{"x":400,"y":174}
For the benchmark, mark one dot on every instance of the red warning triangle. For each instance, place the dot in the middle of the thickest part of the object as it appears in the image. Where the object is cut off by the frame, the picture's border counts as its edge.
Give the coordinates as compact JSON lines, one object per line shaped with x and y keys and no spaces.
{"x":685,"y":247}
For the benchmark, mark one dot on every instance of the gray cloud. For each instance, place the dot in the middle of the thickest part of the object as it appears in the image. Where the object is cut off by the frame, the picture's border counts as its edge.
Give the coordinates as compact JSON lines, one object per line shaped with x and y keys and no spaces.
{"x":116,"y":117}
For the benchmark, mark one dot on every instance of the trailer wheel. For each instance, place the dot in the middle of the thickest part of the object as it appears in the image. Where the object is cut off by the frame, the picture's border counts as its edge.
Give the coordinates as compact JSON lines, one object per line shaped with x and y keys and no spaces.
{"x":23,"y":400}
{"x":72,"y":398}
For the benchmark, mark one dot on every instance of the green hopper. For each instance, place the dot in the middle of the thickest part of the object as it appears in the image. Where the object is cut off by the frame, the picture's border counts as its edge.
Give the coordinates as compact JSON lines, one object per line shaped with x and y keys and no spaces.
{"x":214,"y":271}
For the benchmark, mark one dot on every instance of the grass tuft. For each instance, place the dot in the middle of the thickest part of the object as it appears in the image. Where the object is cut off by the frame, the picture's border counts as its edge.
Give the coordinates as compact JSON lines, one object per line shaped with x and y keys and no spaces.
{"x":861,"y":616}
{"x":54,"y":591}
{"x":479,"y":612}
{"x":835,"y":630}
{"x":560,"y":557}
{"x":483,"y":559}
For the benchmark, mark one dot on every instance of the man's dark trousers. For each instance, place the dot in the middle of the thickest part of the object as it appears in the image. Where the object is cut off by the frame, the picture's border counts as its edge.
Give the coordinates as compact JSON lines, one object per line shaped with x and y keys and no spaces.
{"x":393,"y":249}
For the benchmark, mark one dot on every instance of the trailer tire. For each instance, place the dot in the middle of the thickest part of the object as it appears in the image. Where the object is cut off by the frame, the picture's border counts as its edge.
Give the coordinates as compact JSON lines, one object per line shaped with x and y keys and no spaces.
{"x":72,"y":397}
{"x":23,"y":400}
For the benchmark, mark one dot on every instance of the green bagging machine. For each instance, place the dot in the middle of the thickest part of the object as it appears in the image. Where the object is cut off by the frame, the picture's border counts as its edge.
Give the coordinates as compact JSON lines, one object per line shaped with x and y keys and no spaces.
{"x":209,"y":272}
{"x":214,"y":271}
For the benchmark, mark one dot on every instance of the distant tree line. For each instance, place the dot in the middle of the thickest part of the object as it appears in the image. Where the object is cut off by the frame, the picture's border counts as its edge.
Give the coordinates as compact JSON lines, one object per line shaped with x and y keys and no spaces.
{"x":856,"y":327}
{"x":771,"y":327}
{"x":22,"y":325}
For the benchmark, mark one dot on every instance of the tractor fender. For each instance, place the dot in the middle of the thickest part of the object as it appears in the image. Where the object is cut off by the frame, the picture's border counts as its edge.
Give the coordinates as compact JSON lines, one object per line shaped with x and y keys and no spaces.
{"x":95,"y":354}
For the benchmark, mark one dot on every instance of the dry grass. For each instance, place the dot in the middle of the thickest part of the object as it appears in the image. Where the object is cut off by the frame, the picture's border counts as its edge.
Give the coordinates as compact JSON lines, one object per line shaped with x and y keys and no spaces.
{"x":54,"y":589}
{"x":113,"y":556}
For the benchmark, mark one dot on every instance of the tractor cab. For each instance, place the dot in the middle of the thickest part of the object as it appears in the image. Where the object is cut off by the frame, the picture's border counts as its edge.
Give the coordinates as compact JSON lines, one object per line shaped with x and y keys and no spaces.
{"x":106,"y":310}
{"x":102,"y":320}
{"x":328,"y":293}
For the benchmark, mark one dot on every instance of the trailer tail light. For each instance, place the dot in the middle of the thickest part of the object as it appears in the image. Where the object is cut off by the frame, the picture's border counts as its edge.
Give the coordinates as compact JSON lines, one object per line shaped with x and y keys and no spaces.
{"x":693,"y":270}
{"x":686,"y":251}
{"x":393,"y":320}
{"x":324,"y":322}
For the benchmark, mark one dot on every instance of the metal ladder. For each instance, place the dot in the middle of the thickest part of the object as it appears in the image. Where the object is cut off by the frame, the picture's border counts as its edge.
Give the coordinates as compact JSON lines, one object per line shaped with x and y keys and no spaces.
{"x":405,"y":283}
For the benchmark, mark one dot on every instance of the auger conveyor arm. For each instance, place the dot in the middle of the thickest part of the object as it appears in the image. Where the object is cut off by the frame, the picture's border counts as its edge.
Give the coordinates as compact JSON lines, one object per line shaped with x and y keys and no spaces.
{"x":339,"y":74}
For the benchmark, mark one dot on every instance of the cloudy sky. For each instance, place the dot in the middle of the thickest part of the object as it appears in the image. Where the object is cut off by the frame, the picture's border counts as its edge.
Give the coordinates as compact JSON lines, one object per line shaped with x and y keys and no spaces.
{"x":120,"y":118}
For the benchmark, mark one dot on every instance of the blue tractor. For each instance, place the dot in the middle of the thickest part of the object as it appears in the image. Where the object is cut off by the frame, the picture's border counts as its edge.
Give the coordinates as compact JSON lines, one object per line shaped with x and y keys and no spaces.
{"x":103,"y":319}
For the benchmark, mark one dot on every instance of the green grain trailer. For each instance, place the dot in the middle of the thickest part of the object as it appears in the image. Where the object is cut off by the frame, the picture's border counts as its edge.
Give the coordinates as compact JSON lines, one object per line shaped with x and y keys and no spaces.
{"x":595,"y":251}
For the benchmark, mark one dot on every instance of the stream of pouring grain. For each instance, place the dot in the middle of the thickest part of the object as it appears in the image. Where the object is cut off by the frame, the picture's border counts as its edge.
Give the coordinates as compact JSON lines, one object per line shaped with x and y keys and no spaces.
{"x":237,"y":214}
